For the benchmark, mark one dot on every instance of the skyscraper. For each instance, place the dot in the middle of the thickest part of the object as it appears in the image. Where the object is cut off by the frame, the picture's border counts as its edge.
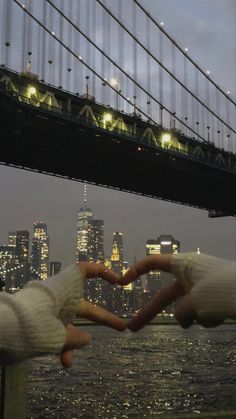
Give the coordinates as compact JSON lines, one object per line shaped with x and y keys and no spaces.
{"x":7,"y":265}
{"x":22,"y":254}
{"x":163,"y":244}
{"x":115,"y":293}
{"x":40,"y":250}
{"x":90,"y":247}
{"x":96,"y":241}
{"x":84,"y":216}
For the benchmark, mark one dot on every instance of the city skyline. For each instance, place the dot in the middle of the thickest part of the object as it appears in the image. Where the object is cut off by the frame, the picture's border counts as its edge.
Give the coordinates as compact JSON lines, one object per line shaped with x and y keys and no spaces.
{"x":28,"y":196}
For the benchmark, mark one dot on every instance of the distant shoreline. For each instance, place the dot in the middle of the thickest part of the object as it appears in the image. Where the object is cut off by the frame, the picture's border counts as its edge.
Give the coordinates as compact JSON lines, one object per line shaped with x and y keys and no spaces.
{"x":159,"y":322}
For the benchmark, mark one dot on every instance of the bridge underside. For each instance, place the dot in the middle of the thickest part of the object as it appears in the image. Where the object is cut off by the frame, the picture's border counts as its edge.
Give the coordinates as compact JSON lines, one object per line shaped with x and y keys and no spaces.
{"x":46,"y":142}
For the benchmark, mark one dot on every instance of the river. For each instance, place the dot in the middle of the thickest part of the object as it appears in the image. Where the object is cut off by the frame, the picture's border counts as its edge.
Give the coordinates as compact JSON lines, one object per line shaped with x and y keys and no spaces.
{"x":161,"y":369}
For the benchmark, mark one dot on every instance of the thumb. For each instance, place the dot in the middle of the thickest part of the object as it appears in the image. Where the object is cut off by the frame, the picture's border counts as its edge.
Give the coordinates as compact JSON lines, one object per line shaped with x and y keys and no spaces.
{"x":184,"y":312}
{"x":75,"y":339}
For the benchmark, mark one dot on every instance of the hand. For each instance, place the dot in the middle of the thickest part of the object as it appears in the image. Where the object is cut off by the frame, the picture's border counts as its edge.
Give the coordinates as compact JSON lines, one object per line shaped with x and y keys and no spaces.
{"x":187,"y":280}
{"x":75,"y":338}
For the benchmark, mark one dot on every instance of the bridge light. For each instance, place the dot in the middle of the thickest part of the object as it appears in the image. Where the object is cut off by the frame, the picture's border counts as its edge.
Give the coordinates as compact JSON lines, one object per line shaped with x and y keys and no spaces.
{"x":208,"y":72}
{"x":107,"y":118}
{"x":165,"y":138}
{"x":114,"y":82}
{"x":31,"y":91}
{"x":186,"y":49}
{"x":228,"y":92}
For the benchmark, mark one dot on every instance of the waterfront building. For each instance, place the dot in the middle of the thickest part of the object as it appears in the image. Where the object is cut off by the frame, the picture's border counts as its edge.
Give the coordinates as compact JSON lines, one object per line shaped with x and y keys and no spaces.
{"x":90,"y":247}
{"x":85,"y":215}
{"x":22,"y":255}
{"x":40,"y":251}
{"x":162,"y":245}
{"x":8,"y":265}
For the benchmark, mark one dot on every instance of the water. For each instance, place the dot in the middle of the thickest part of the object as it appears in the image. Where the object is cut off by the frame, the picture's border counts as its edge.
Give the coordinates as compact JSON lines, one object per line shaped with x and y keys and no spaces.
{"x":161,"y":369}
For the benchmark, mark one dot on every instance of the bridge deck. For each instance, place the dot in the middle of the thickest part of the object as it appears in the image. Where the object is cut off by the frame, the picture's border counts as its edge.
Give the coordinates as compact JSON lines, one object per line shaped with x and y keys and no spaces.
{"x":45,"y":139}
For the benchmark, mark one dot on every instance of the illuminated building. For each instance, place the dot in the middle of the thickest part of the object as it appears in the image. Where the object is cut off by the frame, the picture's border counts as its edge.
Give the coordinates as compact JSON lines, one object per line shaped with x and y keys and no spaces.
{"x":55,"y":267}
{"x":162,"y":245}
{"x":95,"y":249}
{"x":40,"y":251}
{"x":115,"y":293}
{"x":84,"y":216}
{"x":12,"y":238}
{"x":22,"y":254}
{"x":153,"y":277}
{"x":90,"y":247}
{"x":7,"y":265}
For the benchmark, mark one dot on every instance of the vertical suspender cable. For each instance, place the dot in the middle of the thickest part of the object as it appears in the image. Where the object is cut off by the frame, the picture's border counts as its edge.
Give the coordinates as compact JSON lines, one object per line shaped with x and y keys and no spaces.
{"x":93,"y":57}
{"x":51,"y":47}
{"x":88,"y":46}
{"x":197,"y":115}
{"x":186,"y":114}
{"x":3,"y":25}
{"x":135,"y":90}
{"x":61,"y":32}
{"x":44,"y":41}
{"x":69,"y":40}
{"x":148,"y":68}
{"x":207,"y":113}
{"x":23,"y":42}
{"x":103,"y":63}
{"x":120,"y":48}
{"x":161,"y":77}
{"x":173,"y":89}
{"x":8,"y":34}
{"x":217,"y":95}
{"x":108,"y":51}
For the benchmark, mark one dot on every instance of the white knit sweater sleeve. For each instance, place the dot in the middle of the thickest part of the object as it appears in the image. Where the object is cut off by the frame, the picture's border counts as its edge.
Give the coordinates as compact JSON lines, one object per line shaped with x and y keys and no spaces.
{"x":211,"y":282}
{"x":32,"y":321}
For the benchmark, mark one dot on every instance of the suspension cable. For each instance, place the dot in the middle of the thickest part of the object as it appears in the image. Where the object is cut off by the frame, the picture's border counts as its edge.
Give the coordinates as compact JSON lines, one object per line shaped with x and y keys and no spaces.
{"x":181,"y":50}
{"x":158,"y":61}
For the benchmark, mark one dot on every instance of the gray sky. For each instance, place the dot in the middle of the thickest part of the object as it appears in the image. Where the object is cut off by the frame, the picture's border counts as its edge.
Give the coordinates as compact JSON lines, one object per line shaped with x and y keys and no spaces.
{"x":208,"y":29}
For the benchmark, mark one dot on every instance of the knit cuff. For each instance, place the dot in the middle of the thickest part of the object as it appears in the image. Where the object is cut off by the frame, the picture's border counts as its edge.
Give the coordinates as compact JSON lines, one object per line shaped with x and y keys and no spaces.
{"x":67,"y":288}
{"x":211,"y":282}
{"x":25,"y":333}
{"x":215,"y":298}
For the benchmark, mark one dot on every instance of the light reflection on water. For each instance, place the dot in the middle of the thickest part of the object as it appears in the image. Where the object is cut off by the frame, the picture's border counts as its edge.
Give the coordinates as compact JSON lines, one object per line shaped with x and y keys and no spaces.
{"x":161,"y":369}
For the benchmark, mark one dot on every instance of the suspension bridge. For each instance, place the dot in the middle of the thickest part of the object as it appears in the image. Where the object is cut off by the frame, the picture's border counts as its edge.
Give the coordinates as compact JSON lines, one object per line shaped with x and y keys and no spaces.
{"x":85,"y":95}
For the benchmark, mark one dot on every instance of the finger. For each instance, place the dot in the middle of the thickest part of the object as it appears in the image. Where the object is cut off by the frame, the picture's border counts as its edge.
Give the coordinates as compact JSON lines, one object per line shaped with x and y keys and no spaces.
{"x":75,"y":339}
{"x":164,"y":297}
{"x":98,"y":270}
{"x":66,"y":358}
{"x":97,"y":314}
{"x":149,"y":263}
{"x":185,"y":313}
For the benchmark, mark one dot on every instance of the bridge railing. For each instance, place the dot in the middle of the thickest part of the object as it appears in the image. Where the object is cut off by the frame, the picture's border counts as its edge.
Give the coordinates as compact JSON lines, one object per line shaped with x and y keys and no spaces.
{"x":222,"y":163}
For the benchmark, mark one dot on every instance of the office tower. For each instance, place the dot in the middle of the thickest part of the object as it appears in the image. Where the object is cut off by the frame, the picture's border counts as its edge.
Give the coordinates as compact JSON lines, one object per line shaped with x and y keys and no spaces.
{"x":115,"y":293}
{"x":22,"y":254}
{"x":84,"y":216}
{"x":162,"y":245}
{"x":90,"y":247}
{"x":95,"y":241}
{"x":153,"y":277}
{"x":12,"y":238}
{"x":55,"y":267}
{"x":8,"y":265}
{"x":40,"y":251}
{"x":167,"y":244}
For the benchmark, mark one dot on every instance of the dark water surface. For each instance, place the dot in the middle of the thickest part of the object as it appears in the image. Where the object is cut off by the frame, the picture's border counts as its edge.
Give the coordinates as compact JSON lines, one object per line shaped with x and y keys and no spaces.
{"x":162,"y":369}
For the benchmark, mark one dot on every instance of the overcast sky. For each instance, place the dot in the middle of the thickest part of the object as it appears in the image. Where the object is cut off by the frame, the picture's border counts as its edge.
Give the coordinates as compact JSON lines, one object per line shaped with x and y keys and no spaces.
{"x":208,"y":29}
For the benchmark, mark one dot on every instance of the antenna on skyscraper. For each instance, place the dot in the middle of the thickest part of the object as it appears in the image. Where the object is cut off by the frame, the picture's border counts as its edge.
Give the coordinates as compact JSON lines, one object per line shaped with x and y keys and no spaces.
{"x":85,"y":195}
